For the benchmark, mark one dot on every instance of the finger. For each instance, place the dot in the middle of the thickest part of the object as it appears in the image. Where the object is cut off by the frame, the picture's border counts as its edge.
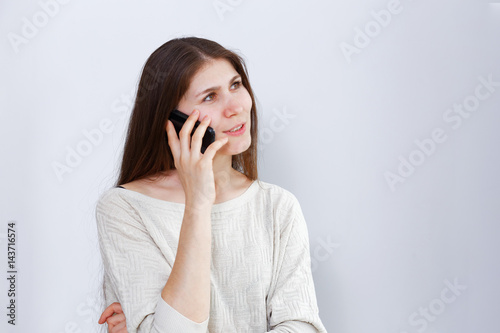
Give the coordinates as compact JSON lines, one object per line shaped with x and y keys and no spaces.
{"x":185,"y":133}
{"x":214,"y":146}
{"x":108,"y":312}
{"x":173,"y":139}
{"x":117,"y":307}
{"x":116,"y":319}
{"x":197,"y":139}
{"x":120,"y":328}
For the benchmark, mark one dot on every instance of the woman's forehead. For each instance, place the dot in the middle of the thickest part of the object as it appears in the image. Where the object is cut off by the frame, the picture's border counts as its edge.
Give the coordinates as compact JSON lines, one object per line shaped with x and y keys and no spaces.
{"x":214,"y":72}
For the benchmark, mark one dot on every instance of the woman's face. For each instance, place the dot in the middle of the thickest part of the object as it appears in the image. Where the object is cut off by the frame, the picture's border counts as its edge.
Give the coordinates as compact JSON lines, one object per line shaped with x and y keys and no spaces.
{"x":216,"y":90}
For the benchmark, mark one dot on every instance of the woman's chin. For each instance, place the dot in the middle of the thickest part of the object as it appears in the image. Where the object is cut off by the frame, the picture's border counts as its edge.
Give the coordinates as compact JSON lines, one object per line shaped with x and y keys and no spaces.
{"x":232,"y":148}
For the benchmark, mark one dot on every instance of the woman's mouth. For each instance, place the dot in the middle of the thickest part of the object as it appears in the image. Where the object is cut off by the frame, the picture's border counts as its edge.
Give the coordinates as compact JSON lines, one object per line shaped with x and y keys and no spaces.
{"x":238,"y":130}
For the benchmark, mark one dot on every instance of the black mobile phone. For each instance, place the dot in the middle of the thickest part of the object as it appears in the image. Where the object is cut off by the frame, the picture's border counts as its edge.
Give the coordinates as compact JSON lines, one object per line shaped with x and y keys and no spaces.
{"x":179,"y":118}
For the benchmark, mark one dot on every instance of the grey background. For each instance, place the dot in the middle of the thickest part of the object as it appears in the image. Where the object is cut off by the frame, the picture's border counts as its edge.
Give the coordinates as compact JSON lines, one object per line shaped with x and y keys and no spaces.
{"x":382,"y":255}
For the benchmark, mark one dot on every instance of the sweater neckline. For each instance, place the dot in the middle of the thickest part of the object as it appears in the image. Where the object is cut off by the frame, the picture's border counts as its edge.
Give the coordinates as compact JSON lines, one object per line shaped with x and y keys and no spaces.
{"x":219,"y":207}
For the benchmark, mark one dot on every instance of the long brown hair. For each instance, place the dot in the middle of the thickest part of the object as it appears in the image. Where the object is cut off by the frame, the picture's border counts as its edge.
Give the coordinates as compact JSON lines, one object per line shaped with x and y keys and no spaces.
{"x":165,"y":79}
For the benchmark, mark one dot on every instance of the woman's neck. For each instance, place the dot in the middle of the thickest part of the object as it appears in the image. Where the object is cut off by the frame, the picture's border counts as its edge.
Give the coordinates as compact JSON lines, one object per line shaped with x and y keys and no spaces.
{"x":229,"y":183}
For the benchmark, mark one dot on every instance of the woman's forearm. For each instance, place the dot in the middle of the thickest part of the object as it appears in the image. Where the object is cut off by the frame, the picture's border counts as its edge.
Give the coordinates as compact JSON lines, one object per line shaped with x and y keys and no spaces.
{"x":188,"y":287}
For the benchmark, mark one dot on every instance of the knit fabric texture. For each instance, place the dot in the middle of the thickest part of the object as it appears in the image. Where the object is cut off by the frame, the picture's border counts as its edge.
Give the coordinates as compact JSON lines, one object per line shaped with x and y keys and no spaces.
{"x":261,"y":278}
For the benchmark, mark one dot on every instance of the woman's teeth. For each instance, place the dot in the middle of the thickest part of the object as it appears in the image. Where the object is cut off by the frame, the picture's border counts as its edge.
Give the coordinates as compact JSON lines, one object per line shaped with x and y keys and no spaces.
{"x":236,"y":129}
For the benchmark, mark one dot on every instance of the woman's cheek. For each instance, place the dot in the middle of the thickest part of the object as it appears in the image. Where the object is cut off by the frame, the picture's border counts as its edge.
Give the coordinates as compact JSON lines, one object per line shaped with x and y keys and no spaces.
{"x":248,"y":100}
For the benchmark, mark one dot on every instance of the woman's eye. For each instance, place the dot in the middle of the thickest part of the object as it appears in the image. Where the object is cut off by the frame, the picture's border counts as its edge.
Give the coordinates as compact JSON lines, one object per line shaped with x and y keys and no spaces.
{"x":236,"y":84}
{"x":209,"y":97}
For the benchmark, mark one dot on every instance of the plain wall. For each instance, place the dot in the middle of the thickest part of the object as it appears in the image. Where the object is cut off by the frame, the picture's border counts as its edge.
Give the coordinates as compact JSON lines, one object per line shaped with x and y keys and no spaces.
{"x":377,"y":115}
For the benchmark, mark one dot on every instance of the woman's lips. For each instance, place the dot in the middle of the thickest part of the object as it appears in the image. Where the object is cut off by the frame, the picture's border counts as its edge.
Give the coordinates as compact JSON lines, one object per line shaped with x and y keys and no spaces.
{"x":238,"y":132}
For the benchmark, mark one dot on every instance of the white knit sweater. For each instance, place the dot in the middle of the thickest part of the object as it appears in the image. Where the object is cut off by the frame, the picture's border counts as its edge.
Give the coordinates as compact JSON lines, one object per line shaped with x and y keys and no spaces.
{"x":261,"y":277}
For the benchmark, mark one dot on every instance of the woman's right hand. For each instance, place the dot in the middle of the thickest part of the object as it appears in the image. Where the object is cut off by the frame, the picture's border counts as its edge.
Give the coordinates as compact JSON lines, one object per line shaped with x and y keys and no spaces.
{"x":195,"y":169}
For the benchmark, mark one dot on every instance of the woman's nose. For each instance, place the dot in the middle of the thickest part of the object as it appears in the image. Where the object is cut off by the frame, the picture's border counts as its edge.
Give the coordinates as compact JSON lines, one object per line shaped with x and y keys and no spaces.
{"x":232,"y":106}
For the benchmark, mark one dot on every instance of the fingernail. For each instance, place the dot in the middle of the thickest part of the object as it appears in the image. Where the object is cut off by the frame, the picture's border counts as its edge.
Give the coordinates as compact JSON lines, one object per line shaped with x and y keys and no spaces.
{"x":195,"y":112}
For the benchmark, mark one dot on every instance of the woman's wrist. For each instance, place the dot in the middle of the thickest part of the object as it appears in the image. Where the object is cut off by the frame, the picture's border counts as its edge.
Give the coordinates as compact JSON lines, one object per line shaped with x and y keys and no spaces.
{"x":198,"y":209}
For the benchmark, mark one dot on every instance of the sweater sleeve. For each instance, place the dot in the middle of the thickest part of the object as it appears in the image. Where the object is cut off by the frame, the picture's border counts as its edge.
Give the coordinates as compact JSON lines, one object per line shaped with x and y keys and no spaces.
{"x":136,"y":270}
{"x":291,"y":303}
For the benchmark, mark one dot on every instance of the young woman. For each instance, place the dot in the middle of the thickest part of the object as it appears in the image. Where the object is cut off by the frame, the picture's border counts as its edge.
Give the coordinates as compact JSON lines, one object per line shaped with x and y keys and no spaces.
{"x":191,"y":241}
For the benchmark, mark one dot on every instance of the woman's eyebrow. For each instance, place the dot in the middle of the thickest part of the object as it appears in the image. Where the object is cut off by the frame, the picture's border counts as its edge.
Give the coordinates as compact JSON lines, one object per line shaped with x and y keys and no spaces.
{"x":218,"y":87}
